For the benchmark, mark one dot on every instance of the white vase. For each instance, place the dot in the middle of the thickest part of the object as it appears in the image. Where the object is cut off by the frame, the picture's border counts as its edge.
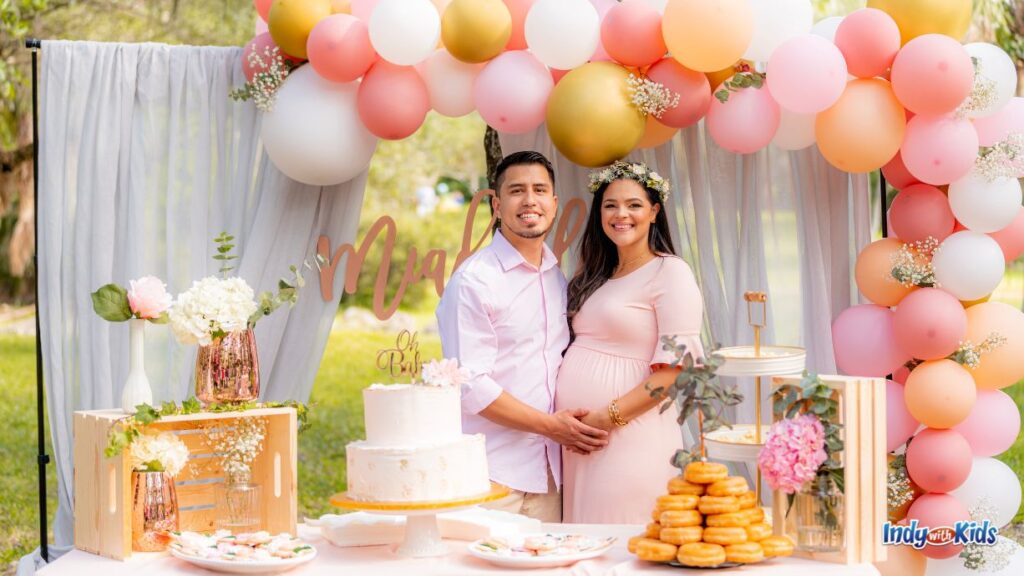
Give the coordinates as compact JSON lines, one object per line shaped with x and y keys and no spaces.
{"x":136,"y":388}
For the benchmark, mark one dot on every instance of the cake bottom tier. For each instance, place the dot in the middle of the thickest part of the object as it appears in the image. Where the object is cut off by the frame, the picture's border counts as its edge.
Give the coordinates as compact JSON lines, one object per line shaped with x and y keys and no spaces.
{"x":446,"y":471}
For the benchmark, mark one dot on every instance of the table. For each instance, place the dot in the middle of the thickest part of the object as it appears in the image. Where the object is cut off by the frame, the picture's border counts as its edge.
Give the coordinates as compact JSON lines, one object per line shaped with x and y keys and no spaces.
{"x":378,"y":560}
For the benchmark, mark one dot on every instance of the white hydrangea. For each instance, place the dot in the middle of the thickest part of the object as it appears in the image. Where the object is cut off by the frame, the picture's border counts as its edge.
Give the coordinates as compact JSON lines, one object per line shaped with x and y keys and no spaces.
{"x":165,"y":448}
{"x":212,"y":304}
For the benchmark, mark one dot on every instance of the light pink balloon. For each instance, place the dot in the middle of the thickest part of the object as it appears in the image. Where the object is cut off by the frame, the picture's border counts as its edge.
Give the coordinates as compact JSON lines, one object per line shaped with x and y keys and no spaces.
{"x":932,"y":74}
{"x":261,"y":27}
{"x":603,"y":7}
{"x":511,"y":92}
{"x":392,"y":100}
{"x":362,"y":9}
{"x":693,"y":89}
{"x":339,"y":48}
{"x":263,"y":8}
{"x":938,"y":150}
{"x":869,"y":40}
{"x":993,"y":424}
{"x":631,"y":33}
{"x":899,"y":424}
{"x":939,"y":460}
{"x":1007,"y":120}
{"x":920,"y":211}
{"x":933,"y":511}
{"x":864,"y":341}
{"x":896,"y":173}
{"x":806,"y":74}
{"x":929,"y":324}
{"x":746,"y":122}
{"x":261,"y":44}
{"x":1011,"y":238}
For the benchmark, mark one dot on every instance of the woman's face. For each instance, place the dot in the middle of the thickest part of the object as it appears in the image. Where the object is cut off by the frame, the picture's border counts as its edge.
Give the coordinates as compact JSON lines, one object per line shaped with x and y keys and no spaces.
{"x":627,"y":213}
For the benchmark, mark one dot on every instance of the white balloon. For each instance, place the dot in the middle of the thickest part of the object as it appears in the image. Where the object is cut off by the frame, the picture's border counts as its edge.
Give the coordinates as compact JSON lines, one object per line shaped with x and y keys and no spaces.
{"x":658,"y":5}
{"x":997,"y":67}
{"x":796,"y":131}
{"x":955,"y":566}
{"x":776,"y":21}
{"x":314,"y":134}
{"x":563,"y":34}
{"x":983,"y":205}
{"x":826,"y":27}
{"x":450,"y":83}
{"x":968,"y":265}
{"x":405,"y":32}
{"x":992,"y":479}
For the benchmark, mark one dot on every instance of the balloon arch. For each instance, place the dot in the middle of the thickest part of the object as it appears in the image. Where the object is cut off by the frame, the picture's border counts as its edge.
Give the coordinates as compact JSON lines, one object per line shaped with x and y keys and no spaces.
{"x":887,"y":87}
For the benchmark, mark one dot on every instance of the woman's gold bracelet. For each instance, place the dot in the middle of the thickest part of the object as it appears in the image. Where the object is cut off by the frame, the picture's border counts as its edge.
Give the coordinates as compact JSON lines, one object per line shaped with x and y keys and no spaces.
{"x":613,"y":413}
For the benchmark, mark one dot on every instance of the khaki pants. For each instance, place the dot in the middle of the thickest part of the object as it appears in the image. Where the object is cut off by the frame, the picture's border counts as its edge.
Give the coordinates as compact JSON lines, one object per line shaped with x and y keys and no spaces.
{"x":543,"y":507}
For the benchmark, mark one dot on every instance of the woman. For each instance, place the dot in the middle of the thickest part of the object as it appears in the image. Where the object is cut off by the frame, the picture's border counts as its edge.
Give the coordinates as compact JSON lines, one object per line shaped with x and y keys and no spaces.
{"x":630,"y":291}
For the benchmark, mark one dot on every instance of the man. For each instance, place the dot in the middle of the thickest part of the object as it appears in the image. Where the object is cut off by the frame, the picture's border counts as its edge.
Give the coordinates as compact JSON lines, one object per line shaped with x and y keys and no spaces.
{"x":503,"y":316}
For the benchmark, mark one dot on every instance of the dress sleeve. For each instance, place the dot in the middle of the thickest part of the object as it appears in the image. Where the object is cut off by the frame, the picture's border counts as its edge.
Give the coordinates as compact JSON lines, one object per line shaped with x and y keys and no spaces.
{"x":467,"y":334}
{"x":678,"y":309}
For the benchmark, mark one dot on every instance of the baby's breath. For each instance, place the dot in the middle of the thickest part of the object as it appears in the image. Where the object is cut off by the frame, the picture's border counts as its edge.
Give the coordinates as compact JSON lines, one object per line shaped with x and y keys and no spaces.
{"x":899,"y":490}
{"x":912,"y":263}
{"x":985,"y":558}
{"x":969,"y":354}
{"x":238,"y":442}
{"x":650,"y":97}
{"x":1002,"y":160}
{"x":272,"y":70}
{"x":983,"y":93}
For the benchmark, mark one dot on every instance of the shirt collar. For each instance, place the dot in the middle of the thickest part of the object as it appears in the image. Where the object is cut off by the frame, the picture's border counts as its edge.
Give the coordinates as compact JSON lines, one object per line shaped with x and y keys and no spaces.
{"x":510,"y":257}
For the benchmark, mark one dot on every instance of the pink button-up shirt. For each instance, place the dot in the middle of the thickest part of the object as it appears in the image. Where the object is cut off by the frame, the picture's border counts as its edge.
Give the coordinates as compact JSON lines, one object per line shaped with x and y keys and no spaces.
{"x":505,"y":322}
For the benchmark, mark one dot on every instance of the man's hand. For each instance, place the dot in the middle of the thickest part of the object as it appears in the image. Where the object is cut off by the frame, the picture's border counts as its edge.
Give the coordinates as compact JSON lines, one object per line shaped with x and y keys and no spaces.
{"x":567,"y":428}
{"x":600,"y":420}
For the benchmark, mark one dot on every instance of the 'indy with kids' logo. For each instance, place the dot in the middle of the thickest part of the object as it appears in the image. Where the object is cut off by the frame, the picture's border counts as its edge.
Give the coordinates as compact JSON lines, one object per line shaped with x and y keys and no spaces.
{"x":962,"y":533}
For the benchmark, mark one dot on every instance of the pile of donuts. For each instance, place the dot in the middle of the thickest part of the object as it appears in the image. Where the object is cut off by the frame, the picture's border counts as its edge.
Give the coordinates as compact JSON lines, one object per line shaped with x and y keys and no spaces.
{"x":708,"y":518}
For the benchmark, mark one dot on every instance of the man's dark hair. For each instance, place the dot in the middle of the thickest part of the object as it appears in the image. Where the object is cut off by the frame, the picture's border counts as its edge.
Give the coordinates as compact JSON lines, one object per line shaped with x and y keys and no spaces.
{"x":525,"y":157}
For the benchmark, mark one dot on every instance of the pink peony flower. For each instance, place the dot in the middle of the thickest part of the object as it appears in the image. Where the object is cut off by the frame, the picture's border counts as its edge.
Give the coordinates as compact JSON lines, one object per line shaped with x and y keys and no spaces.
{"x":792,"y":453}
{"x":148,"y":297}
{"x":444,"y":373}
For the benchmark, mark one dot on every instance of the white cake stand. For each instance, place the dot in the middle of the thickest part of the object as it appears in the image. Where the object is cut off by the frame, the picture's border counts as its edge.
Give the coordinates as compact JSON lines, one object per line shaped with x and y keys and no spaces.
{"x":422,"y":535}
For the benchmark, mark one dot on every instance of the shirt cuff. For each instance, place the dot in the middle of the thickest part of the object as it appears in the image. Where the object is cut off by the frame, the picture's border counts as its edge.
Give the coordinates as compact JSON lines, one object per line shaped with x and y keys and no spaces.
{"x":479,"y":394}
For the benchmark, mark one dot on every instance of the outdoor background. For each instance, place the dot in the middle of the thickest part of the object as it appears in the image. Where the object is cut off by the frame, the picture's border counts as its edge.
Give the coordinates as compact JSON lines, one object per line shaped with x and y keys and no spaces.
{"x":422,"y":182}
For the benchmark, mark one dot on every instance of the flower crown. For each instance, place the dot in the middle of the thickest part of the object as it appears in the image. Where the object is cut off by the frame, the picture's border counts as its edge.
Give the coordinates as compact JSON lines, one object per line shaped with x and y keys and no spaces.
{"x":636,"y":171}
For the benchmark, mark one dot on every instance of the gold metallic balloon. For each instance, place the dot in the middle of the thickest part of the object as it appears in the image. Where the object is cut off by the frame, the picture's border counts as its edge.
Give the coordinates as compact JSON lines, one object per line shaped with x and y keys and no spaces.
{"x":476,"y":30}
{"x":590,"y":117}
{"x":341,"y":6}
{"x":290,"y":22}
{"x":918,"y":17}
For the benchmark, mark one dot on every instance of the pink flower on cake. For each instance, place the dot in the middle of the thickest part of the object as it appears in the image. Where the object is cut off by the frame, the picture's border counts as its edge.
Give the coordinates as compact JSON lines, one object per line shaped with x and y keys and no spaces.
{"x":442,"y":373}
{"x":148,"y":297}
{"x":792,"y":453}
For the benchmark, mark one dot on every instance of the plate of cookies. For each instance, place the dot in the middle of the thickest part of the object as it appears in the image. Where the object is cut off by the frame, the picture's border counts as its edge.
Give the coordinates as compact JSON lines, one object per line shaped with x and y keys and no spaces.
{"x":540,"y":550}
{"x":708,"y":519}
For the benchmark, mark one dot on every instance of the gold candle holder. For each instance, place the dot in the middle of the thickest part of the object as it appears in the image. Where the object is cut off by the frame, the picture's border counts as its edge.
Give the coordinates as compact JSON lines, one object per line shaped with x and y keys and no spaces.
{"x":757,"y":317}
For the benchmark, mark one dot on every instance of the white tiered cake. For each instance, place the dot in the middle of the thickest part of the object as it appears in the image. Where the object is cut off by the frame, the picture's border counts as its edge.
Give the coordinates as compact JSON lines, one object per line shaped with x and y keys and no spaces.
{"x":415,"y":450}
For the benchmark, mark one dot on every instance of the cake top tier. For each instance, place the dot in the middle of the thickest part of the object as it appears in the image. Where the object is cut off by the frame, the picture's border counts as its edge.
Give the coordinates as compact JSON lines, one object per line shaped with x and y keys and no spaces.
{"x":411,"y":415}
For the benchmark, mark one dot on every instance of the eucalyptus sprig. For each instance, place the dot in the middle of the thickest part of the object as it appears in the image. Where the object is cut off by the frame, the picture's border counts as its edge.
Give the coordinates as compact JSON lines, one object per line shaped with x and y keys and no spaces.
{"x":224,"y":255}
{"x":287,"y":292}
{"x":740,"y":81}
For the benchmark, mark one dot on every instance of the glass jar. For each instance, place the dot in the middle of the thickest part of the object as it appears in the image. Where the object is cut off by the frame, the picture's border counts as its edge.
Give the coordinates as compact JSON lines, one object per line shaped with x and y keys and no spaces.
{"x":238,"y":504}
{"x":818,"y":510}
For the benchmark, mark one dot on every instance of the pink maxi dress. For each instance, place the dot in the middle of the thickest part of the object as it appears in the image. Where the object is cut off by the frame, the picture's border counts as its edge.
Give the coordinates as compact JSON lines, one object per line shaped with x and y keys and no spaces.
{"x":618,"y":338}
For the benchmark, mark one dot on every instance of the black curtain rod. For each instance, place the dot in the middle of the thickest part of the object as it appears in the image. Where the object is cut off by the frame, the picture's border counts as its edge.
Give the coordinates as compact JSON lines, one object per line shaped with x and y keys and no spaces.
{"x":33,"y":43}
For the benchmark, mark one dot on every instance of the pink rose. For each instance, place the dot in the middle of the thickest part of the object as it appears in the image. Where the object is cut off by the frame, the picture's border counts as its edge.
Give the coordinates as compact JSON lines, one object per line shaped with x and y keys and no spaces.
{"x":148,"y":297}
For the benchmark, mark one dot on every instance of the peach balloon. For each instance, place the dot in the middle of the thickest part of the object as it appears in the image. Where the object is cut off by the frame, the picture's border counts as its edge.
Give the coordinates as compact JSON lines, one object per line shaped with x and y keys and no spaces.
{"x":930,"y":324}
{"x":939,"y":149}
{"x":692,"y":87}
{"x":920,"y":211}
{"x":746,"y":122}
{"x":707,"y":36}
{"x":339,"y":48}
{"x":392,"y":100}
{"x":939,"y":460}
{"x":935,"y":510}
{"x":932,"y":74}
{"x":631,"y":33}
{"x":940,"y":393}
{"x":864,"y":129}
{"x":1003,"y":366}
{"x":873,"y":273}
{"x":1011,"y":238}
{"x":869,"y":40}
{"x":656,"y":134}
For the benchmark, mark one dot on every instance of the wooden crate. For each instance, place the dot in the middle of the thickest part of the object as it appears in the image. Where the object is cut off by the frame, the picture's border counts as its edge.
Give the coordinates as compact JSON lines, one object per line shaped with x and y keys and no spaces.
{"x":862,"y":414}
{"x":102,"y":486}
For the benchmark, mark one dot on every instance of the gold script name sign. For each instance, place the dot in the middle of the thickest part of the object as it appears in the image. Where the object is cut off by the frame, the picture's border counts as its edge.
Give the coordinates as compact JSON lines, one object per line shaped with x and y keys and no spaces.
{"x":567,"y":227}
{"x":403,"y":359}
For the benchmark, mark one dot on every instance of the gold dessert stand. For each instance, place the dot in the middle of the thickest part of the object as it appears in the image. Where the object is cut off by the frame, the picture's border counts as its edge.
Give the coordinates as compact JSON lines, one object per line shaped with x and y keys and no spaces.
{"x":422,"y":535}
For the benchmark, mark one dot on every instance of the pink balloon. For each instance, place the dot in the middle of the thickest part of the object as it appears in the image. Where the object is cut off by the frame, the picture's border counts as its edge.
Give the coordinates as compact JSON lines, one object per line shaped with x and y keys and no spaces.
{"x":806,"y":74}
{"x":392,"y":100}
{"x":602,"y":7}
{"x":900,"y":375}
{"x":1011,"y":238}
{"x":339,"y":48}
{"x":993,"y":424}
{"x":631,"y":33}
{"x":262,"y":45}
{"x":930,"y":323}
{"x":932,"y":74}
{"x":362,"y":9}
{"x":896,"y":173}
{"x":263,"y":8}
{"x":933,"y":511}
{"x":869,"y":40}
{"x":518,"y":9}
{"x":899,"y":424}
{"x":511,"y":92}
{"x":693,"y":89}
{"x":920,"y":211}
{"x":939,"y":149}
{"x":745,"y":123}
{"x":864,"y":341}
{"x":261,"y":27}
{"x":1007,"y":120}
{"x":939,"y":460}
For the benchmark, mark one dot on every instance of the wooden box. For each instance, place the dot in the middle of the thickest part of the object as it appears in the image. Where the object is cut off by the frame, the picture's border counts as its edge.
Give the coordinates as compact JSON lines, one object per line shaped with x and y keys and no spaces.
{"x":862,"y":415}
{"x":102,"y":486}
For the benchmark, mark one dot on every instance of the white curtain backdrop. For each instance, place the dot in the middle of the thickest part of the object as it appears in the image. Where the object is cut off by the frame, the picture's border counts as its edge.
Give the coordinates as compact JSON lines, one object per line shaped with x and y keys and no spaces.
{"x":143,"y":160}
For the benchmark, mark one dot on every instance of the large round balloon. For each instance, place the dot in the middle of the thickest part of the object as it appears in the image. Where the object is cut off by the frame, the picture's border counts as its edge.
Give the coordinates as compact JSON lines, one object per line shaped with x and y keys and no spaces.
{"x":864,"y":129}
{"x":896,"y":173}
{"x":405,"y":32}
{"x":968,"y":265}
{"x":393,"y":100}
{"x":995,"y":481}
{"x":450,"y":84}
{"x":939,"y":149}
{"x":563,"y":33}
{"x":939,"y":460}
{"x":938,"y":510}
{"x":993,"y":425}
{"x":339,"y":48}
{"x":1011,"y":238}
{"x":930,"y":324}
{"x":776,"y":21}
{"x":262,"y":45}
{"x":873,"y":273}
{"x":796,"y":131}
{"x":707,"y":36}
{"x":932,"y":75}
{"x":476,"y":30}
{"x":1003,"y":366}
{"x":806,"y":74}
{"x":631,"y":33}
{"x":692,"y":87}
{"x":511,"y":92}
{"x":921,"y":211}
{"x":864,"y":341}
{"x":314,"y":134}
{"x":746,"y":122}
{"x":827,"y":27}
{"x":291,"y":21}
{"x":656,"y":133}
{"x":985,"y":205}
{"x":940,"y":393}
{"x":917,"y":17}
{"x":998,"y":70}
{"x":590,"y":117}
{"x":899,"y":424}
{"x":999,"y":126}
{"x":263,"y":8}
{"x":869,"y":40}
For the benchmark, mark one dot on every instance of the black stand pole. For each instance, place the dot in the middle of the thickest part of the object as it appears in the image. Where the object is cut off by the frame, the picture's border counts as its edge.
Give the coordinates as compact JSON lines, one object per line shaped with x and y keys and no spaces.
{"x":882,"y":207}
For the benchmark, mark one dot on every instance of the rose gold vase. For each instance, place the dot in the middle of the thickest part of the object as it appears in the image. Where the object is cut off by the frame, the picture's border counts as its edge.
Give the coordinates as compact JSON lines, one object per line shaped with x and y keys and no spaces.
{"x":154,"y":510}
{"x":228,"y":370}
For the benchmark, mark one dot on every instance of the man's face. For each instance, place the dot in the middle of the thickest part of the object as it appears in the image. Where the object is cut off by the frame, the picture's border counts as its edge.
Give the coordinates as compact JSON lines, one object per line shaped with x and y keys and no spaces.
{"x":526,"y":201}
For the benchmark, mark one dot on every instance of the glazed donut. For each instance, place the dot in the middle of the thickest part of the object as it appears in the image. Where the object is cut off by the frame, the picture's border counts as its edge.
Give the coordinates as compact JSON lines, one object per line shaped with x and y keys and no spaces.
{"x":656,"y":515}
{"x":681,"y":535}
{"x":705,"y":472}
{"x":746,"y":553}
{"x":701,"y":554}
{"x":776,"y":546}
{"x":679,"y":485}
{"x":656,"y":551}
{"x":731,"y":486}
{"x":677,"y":518}
{"x":653,"y":529}
{"x":747,"y":500}
{"x":678,"y":502}
{"x":758,"y":532}
{"x":718,"y":504}
{"x":729,"y":519}
{"x":755,"y":514}
{"x":725,"y":535}
{"x":631,"y":546}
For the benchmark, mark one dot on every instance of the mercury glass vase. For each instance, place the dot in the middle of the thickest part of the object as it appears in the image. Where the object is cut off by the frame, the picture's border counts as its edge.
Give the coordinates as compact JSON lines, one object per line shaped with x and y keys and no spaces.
{"x":154,"y":511}
{"x":228,"y":369}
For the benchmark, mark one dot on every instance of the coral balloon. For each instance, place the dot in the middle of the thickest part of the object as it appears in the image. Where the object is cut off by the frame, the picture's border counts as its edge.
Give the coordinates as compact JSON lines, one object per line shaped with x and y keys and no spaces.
{"x":993,"y":424}
{"x":1011,"y":238}
{"x":796,"y":131}
{"x":869,"y":40}
{"x":518,"y":9}
{"x":775,"y":22}
{"x":806,"y":74}
{"x":896,"y":173}
{"x":864,"y":129}
{"x":864,"y":341}
{"x":656,"y":134}
{"x":590,"y":117}
{"x":263,"y":8}
{"x":985,"y":205}
{"x":994,"y":482}
{"x":707,"y":36}
{"x":263,"y":46}
{"x":405,"y":32}
{"x":918,"y":17}
{"x":563,"y":33}
{"x":932,"y":74}
{"x":998,"y":127}
{"x":746,"y":122}
{"x":291,"y":21}
{"x":603,"y":7}
{"x":692,"y":87}
{"x":476,"y":30}
{"x":450,"y":84}
{"x":920,"y":211}
{"x":939,"y":460}
{"x":930,"y":324}
{"x":393,"y":100}
{"x":631,"y":33}
{"x":511,"y":92}
{"x":939,"y":149}
{"x":935,"y":510}
{"x":940,"y":393}
{"x":968,"y":265}
{"x":873,"y":273}
{"x":1003,"y":366}
{"x":339,"y":48}
{"x":899,"y":424}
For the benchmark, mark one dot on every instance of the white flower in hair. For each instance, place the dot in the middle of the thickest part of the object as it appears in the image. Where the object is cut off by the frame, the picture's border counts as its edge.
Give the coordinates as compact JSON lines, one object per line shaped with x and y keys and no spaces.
{"x":636,"y":171}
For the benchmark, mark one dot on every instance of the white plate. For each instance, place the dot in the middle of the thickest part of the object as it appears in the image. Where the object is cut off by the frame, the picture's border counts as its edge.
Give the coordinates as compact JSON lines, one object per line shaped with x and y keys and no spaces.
{"x":546,"y":561}
{"x":246,"y":566}
{"x":773,"y":361}
{"x":735,"y":445}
